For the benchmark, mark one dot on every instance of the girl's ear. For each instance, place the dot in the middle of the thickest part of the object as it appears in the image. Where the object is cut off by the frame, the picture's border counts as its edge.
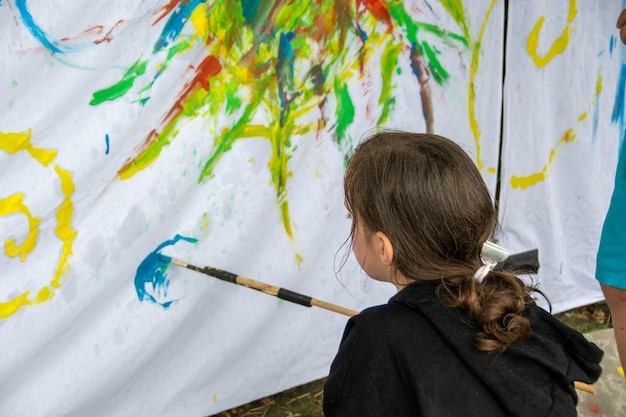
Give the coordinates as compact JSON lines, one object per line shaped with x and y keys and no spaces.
{"x":385,"y":249}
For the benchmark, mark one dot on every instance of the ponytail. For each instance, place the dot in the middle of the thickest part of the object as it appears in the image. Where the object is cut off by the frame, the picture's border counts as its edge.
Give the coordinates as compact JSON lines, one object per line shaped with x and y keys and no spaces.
{"x":496,"y":304}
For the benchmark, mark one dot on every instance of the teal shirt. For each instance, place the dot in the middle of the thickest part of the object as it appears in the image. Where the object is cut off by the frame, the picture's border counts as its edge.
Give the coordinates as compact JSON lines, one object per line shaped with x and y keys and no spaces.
{"x":611,"y":260}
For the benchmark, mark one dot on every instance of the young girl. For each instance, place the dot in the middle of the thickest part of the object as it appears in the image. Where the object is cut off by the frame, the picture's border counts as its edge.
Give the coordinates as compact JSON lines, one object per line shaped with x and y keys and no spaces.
{"x":458,"y":339}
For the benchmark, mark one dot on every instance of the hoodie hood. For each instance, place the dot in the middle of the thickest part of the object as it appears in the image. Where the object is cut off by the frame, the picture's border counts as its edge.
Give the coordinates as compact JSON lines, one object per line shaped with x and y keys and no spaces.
{"x":533,"y":377}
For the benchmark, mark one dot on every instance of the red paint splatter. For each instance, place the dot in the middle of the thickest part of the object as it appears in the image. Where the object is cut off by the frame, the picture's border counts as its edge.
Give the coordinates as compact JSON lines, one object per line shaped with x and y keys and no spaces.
{"x":593,"y":408}
{"x":378,"y":10}
{"x":208,"y":68}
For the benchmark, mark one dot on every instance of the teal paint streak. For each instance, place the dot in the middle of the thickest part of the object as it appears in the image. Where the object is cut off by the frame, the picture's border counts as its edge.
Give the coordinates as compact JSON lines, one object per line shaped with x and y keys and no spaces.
{"x":617,"y":116}
{"x":151,"y":281}
{"x":35,"y":30}
{"x":175,"y":23}
{"x":250,"y":8}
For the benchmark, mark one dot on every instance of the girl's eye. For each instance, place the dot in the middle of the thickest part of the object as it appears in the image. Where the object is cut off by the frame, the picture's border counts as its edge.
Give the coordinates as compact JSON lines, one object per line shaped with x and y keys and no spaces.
{"x":349,"y":216}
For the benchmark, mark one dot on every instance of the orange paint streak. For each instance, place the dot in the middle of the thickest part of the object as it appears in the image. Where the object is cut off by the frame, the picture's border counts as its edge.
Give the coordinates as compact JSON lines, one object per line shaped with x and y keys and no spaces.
{"x":106,"y":37}
{"x":152,"y":136}
{"x":378,"y":10}
{"x":209,"y":67}
{"x":165,"y":10}
{"x":85,"y":33}
{"x":321,"y":28}
{"x":569,"y":136}
{"x":94,"y":34}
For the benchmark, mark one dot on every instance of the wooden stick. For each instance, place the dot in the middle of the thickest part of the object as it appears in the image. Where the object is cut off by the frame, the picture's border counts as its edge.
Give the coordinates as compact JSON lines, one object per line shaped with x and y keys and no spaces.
{"x":279,"y":292}
{"x":584,"y":387}
{"x":297,"y":298}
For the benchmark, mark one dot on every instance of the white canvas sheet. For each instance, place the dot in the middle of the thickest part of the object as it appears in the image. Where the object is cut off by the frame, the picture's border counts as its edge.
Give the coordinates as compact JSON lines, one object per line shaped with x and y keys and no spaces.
{"x":564,"y":123}
{"x":196,"y":130}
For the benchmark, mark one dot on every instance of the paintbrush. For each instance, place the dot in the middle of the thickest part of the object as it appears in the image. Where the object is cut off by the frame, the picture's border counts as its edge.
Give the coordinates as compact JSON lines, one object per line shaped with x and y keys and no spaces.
{"x":282,"y":293}
{"x":297,"y":298}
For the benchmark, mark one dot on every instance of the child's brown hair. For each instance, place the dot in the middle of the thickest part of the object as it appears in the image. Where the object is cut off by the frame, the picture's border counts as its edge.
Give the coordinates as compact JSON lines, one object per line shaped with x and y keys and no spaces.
{"x":425,"y":193}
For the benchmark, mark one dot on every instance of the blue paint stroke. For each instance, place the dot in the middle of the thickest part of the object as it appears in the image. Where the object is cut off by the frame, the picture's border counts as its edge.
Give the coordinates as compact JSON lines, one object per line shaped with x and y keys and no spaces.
{"x":617,"y":116}
{"x":34,"y":29}
{"x":364,"y":36}
{"x":106,"y":140}
{"x":285,"y":73}
{"x":596,"y":119}
{"x":250,"y":9}
{"x":151,"y":277}
{"x":414,"y":68}
{"x":618,"y":105}
{"x":286,"y":60}
{"x":175,"y":23}
{"x":612,"y":45}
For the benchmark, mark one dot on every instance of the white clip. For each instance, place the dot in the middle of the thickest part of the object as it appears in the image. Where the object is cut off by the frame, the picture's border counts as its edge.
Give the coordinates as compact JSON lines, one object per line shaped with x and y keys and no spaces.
{"x":490,"y":255}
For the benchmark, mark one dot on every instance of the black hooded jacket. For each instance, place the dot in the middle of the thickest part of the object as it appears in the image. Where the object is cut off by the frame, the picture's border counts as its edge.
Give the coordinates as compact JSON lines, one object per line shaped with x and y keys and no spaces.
{"x":415,"y":357}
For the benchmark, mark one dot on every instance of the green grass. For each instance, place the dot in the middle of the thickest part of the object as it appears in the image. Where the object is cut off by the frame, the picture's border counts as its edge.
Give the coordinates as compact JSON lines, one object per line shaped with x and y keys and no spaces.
{"x":306,"y":400}
{"x":302,"y":401}
{"x":587,"y":319}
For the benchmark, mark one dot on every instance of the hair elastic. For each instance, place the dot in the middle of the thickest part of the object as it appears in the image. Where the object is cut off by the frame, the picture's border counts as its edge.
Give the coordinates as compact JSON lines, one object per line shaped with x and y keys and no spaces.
{"x":490,"y":255}
{"x":482,"y":272}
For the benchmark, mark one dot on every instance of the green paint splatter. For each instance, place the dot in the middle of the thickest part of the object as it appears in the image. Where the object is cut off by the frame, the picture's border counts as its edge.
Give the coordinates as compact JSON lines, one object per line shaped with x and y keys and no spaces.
{"x":457,"y":11}
{"x":436,"y":69}
{"x":120,"y":88}
{"x":389,"y":61}
{"x":345,"y":110}
{"x":402,"y":17}
{"x":259,"y":81}
{"x":14,"y":84}
{"x":205,"y":223}
{"x":178,"y":48}
{"x":233,"y":100}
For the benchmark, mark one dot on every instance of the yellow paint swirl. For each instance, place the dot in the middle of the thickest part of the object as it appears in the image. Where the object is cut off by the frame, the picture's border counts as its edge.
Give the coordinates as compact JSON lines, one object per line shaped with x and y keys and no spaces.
{"x":14,"y":204}
{"x":569,"y":136}
{"x":559,"y":44}
{"x":471,"y":90}
{"x":533,"y":179}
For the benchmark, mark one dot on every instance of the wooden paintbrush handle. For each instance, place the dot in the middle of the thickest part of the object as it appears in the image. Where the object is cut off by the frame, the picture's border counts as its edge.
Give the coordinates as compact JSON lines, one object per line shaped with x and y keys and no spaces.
{"x":279,"y":292}
{"x":333,"y":307}
{"x":584,"y":387}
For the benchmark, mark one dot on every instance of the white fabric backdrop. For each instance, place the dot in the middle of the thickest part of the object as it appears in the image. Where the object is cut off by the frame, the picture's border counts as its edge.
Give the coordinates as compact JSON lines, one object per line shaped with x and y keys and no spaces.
{"x":84,"y":85}
{"x":563,"y":127}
